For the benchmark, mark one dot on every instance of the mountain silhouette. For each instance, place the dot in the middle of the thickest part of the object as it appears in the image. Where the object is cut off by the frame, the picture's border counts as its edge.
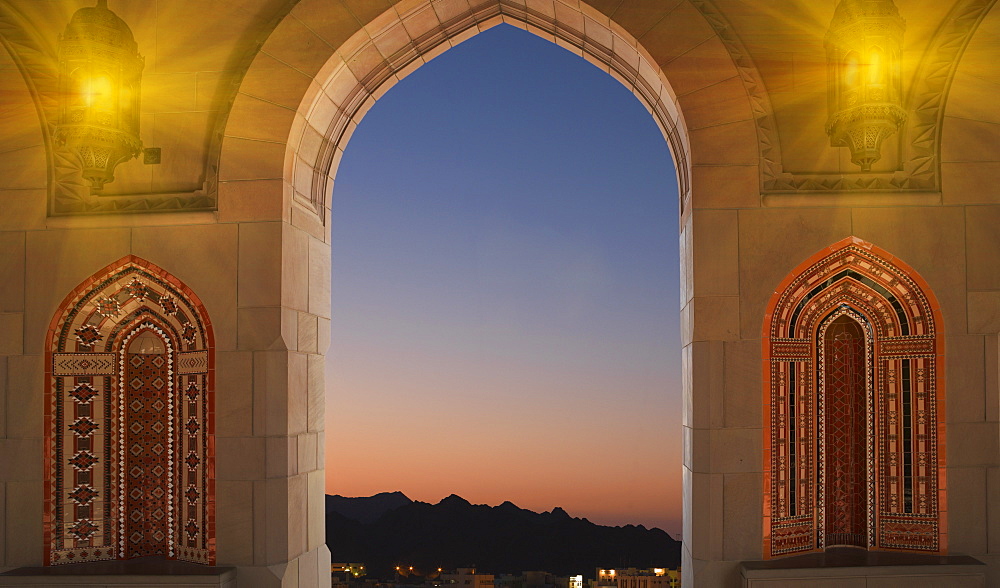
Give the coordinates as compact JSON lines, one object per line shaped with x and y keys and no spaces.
{"x":389,"y":529}
{"x":366,"y":509}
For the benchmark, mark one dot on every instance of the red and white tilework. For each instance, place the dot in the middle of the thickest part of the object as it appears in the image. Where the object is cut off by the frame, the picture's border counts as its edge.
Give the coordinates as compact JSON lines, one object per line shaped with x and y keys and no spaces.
{"x":129,"y":420}
{"x":853,"y":405}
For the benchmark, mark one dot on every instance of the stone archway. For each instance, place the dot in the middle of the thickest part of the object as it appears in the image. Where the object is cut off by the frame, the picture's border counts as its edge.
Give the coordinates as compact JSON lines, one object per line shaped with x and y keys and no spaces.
{"x":312,"y":82}
{"x":399,"y":41}
{"x":314,"y":79}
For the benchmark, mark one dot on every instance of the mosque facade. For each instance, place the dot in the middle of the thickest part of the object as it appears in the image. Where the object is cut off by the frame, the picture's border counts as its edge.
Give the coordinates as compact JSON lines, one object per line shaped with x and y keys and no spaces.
{"x":165,"y":302}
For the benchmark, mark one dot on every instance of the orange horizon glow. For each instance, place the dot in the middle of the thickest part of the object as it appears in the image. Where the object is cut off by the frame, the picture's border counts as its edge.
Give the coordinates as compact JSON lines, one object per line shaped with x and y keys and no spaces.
{"x":493,"y":457}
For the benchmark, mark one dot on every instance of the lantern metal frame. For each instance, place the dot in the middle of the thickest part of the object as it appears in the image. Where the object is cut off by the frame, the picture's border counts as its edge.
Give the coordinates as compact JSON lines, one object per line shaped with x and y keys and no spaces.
{"x":100,"y":72}
{"x":864,"y":47}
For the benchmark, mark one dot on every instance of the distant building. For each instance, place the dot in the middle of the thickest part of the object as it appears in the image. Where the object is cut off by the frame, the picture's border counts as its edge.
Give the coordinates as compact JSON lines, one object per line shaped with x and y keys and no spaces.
{"x":348,"y":571}
{"x":537,"y":579}
{"x":347,"y":575}
{"x":508,"y":581}
{"x":638,"y":578}
{"x":675,"y":578}
{"x":468,"y":578}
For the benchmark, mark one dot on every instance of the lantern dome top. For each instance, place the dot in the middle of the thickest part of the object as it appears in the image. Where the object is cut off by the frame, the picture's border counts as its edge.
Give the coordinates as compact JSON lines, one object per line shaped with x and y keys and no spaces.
{"x":849,"y":11}
{"x":98,"y":23}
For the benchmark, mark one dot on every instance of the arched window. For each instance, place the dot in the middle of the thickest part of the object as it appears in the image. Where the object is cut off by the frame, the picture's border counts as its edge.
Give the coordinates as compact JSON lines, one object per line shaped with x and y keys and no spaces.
{"x":129,"y":431}
{"x":853,"y":399}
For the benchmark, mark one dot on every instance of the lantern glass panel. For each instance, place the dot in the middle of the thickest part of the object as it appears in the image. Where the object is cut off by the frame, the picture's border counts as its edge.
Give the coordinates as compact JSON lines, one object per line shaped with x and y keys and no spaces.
{"x":851,"y":66}
{"x":876,"y":67}
{"x":126,"y":105}
{"x":100,"y":92}
{"x":79,"y":94}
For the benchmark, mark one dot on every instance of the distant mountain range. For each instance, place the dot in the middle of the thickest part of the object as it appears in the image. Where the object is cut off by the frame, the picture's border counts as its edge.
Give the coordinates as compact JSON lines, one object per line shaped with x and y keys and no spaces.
{"x":389,"y":529}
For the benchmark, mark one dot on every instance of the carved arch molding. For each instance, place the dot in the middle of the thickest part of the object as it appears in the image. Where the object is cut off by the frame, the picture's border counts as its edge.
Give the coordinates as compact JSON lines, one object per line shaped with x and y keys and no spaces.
{"x":129,"y":420}
{"x":365,"y":65}
{"x":853,"y":351}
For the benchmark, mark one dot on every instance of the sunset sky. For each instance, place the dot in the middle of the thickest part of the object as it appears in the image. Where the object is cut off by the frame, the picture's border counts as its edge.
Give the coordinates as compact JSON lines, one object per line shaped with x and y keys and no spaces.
{"x":505,"y":291}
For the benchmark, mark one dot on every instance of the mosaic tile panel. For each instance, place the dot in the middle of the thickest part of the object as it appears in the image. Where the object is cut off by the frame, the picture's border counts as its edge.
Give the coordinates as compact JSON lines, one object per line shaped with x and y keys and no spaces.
{"x":845,"y":441}
{"x":128,"y":420}
{"x":148,"y":445}
{"x":852,"y":386}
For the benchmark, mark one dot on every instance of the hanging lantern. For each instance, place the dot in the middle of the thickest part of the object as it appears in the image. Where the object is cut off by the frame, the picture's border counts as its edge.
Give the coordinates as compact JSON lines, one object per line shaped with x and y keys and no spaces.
{"x":99,"y":73}
{"x":863,"y":49}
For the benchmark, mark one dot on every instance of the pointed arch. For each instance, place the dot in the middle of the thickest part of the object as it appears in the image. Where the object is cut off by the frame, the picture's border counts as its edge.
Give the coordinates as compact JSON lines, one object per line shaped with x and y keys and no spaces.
{"x":129,"y":420}
{"x":347,"y":78}
{"x":889,"y":461}
{"x":400,"y":40}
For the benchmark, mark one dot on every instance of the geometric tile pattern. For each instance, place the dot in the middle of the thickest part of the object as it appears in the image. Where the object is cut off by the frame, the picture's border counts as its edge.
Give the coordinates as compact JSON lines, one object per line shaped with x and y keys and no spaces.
{"x":192,"y":362}
{"x":83,"y":393}
{"x":147,"y":445}
{"x":845,"y":436}
{"x":129,"y":433}
{"x":853,"y":406}
{"x":83,"y":364}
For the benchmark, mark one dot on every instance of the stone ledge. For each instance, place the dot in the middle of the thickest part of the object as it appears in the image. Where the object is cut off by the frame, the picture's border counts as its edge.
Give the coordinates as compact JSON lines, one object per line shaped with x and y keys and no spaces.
{"x":858,"y":568}
{"x":145,"y":571}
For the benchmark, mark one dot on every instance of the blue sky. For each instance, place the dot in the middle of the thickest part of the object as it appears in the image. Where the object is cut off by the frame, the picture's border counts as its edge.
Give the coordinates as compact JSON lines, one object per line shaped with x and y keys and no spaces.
{"x":505,"y":290}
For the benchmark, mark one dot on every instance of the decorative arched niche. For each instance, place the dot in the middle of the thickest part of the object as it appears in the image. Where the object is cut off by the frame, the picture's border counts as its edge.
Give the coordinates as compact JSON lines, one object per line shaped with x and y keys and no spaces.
{"x":854,"y":407}
{"x":129,"y":420}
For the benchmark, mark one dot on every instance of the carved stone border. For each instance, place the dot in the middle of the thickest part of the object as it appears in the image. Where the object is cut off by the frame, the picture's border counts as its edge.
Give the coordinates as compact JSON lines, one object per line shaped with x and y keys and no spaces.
{"x":760,"y":101}
{"x":401,"y":40}
{"x":925,"y":103}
